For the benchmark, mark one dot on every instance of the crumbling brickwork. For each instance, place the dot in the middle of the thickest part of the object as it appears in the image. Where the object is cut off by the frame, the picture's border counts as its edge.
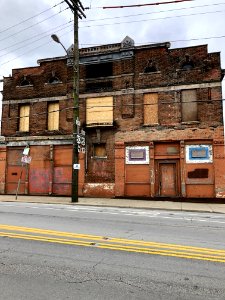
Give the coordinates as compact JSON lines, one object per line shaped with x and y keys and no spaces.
{"x":125,"y":73}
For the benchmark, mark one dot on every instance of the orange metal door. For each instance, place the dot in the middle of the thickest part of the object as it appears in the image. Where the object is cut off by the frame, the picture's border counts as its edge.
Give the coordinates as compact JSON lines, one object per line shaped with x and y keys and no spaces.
{"x":167,"y":179}
{"x":15,"y":171}
{"x":62,"y":174}
{"x":40,"y":171}
{"x":137,"y":181}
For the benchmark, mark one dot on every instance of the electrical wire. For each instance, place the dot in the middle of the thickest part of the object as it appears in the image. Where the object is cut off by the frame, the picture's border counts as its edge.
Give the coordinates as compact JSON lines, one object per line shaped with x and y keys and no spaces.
{"x":146,"y":4}
{"x":30,"y":18}
{"x":22,"y":30}
{"x":153,"y":19}
{"x":126,"y":22}
{"x":42,"y":37}
{"x":152,"y":13}
{"x":194,"y":39}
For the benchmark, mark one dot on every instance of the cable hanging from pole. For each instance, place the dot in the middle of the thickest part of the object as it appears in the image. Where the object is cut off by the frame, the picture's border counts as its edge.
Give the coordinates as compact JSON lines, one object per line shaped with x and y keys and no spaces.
{"x":76,"y":6}
{"x":146,"y":4}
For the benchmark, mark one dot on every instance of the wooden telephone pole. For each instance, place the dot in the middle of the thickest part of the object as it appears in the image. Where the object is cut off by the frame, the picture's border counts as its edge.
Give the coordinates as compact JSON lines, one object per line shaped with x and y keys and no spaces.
{"x":78,"y":12}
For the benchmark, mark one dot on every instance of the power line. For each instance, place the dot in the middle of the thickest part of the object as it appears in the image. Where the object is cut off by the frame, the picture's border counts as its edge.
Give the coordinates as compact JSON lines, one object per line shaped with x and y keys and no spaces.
{"x":153,"y":13}
{"x":31,"y":50}
{"x":16,"y":33}
{"x":194,"y":39}
{"x":153,"y":19}
{"x":65,"y":26}
{"x":30,"y":18}
{"x":132,"y":22}
{"x":146,"y":4}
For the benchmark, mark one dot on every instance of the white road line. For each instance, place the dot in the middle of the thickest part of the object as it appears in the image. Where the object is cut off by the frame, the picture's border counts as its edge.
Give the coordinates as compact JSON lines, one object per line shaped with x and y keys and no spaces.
{"x":116,"y":211}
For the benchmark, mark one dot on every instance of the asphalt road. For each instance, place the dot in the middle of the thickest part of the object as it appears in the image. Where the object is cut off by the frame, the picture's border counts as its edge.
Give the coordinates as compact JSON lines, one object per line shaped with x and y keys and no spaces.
{"x":78,"y":252}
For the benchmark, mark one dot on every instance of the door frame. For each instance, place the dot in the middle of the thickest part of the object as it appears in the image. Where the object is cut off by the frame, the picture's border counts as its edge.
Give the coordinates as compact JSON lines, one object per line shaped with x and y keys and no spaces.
{"x":176,"y":163}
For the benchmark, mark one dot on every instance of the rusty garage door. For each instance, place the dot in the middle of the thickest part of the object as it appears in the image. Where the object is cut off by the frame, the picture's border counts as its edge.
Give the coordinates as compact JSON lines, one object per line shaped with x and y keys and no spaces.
{"x":62,"y":173}
{"x":15,"y":170}
{"x":40,"y":174}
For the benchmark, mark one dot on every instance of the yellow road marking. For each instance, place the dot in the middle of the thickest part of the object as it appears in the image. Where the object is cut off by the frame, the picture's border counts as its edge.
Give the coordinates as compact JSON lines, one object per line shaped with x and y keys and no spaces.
{"x":137,"y":246}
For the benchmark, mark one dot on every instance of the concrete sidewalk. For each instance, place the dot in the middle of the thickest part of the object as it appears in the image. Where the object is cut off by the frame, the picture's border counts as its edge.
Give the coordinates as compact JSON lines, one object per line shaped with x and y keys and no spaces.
{"x":131,"y":203}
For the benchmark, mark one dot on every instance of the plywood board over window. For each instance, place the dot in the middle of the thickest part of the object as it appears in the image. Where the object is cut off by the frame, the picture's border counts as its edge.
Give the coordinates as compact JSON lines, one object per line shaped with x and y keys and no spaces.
{"x":99,"y":111}
{"x":24,"y":114}
{"x":189,"y":106}
{"x":150,"y":109}
{"x":53,"y":116}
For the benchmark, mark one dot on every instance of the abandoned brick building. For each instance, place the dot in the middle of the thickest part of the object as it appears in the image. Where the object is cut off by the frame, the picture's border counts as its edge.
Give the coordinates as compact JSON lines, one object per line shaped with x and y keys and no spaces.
{"x":152,"y":116}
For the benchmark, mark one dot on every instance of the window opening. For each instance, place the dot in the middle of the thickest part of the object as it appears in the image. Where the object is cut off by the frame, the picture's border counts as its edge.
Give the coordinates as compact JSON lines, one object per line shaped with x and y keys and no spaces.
{"x":150,"y":109}
{"x":99,"y":150}
{"x":189,"y":106}
{"x":24,"y":117}
{"x":53,"y":116}
{"x":150,"y":67}
{"x":99,"y":111}
{"x":53,"y":79}
{"x":99,"y":70}
{"x":188,"y":63}
{"x":24,"y":81}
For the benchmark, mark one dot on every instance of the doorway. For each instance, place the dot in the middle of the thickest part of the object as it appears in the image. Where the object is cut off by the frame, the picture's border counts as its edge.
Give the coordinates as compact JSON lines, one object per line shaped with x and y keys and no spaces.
{"x":167,"y":178}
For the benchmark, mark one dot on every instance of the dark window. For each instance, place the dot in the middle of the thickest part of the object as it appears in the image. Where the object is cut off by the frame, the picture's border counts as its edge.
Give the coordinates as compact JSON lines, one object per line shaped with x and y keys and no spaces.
{"x":53,"y":80}
{"x":24,"y":82}
{"x":187,"y":64}
{"x":99,"y":70}
{"x":150,"y":67}
{"x":199,"y":173}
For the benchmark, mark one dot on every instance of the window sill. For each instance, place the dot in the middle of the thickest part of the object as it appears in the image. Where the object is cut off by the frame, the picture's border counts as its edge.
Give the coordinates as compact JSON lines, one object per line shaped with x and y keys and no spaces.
{"x":24,"y":86}
{"x":150,"y":73}
{"x":190,"y":123}
{"x":150,"y":125}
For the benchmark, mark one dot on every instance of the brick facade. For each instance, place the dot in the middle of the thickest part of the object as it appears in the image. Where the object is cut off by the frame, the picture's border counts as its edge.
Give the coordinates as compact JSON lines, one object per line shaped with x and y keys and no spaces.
{"x":168,"y":128}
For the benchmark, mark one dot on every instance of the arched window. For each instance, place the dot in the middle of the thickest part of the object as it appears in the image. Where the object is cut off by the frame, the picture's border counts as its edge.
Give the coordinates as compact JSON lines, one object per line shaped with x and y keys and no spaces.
{"x":188,"y":63}
{"x":53,"y":79}
{"x":24,"y":81}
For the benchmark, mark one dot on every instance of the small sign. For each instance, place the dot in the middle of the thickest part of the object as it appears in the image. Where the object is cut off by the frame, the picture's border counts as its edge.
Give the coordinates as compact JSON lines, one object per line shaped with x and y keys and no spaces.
{"x":80,"y":140}
{"x":76,"y":166}
{"x":26,"y":151}
{"x":82,"y":132}
{"x":81,"y":149}
{"x":26,"y":159}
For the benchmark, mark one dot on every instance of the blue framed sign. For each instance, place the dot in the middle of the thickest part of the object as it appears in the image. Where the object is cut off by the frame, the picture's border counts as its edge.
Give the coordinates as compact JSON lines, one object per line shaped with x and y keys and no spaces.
{"x":199,"y":154}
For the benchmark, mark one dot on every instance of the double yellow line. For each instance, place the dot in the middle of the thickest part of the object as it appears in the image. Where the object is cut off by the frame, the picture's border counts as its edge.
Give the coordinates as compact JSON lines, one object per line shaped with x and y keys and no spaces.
{"x":137,"y":246}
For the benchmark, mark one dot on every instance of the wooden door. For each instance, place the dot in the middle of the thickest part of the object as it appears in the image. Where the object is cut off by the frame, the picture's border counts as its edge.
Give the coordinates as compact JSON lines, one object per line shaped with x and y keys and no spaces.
{"x":168,"y":179}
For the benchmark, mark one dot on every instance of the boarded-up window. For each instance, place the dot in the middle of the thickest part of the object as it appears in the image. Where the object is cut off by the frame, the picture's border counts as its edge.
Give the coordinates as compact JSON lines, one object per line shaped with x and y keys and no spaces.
{"x":53,"y":116}
{"x":99,"y":111}
{"x":150,"y":109}
{"x":99,"y":150}
{"x":24,"y":113}
{"x":189,"y":106}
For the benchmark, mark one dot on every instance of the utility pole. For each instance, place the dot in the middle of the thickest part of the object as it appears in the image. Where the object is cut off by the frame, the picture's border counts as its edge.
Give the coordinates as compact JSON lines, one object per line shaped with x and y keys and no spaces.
{"x":78,"y":12}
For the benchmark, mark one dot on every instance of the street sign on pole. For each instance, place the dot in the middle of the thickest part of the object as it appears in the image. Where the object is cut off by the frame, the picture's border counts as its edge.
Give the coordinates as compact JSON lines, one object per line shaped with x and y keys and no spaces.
{"x":26,"y":159}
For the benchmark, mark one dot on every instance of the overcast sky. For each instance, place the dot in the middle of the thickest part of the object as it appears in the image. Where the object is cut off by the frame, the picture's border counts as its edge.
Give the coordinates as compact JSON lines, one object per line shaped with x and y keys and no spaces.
{"x":26,"y":27}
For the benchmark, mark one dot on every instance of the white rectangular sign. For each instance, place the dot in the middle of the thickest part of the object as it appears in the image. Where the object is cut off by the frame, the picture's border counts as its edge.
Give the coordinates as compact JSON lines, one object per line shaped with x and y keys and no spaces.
{"x":76,"y":166}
